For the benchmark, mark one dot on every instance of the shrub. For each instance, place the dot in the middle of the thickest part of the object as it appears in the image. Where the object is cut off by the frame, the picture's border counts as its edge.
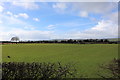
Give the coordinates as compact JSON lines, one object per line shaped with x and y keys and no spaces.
{"x":22,"y":70}
{"x":110,"y":70}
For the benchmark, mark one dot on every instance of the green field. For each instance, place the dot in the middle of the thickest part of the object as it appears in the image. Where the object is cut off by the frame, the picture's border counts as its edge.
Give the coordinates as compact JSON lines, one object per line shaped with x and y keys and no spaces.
{"x":85,"y":57}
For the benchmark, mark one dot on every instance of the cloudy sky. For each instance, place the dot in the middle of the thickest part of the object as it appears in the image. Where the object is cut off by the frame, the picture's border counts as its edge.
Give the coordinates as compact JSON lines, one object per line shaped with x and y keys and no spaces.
{"x":58,"y":20}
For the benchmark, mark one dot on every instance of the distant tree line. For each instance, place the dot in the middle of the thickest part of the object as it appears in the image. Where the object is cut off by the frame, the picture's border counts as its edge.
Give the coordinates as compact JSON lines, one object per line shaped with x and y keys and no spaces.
{"x":72,"y":41}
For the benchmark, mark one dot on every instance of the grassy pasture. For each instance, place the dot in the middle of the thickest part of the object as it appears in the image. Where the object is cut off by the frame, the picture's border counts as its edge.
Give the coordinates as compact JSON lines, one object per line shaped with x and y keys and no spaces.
{"x":85,"y":57}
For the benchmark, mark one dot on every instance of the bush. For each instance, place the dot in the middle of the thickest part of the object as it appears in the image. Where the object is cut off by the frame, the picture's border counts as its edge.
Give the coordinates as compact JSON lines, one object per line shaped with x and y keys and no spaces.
{"x":110,"y":70}
{"x":22,"y":70}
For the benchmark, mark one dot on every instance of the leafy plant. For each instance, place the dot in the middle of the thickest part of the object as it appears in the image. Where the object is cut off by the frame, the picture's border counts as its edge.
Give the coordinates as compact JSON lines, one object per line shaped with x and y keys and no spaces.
{"x":110,"y":70}
{"x":22,"y":70}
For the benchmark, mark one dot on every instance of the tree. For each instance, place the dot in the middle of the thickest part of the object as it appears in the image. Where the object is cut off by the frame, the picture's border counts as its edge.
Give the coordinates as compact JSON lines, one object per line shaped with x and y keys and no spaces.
{"x":15,"y":39}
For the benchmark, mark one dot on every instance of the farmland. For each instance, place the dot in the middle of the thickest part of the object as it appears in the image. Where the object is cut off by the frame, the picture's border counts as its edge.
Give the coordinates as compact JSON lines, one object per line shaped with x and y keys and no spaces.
{"x":85,"y":57}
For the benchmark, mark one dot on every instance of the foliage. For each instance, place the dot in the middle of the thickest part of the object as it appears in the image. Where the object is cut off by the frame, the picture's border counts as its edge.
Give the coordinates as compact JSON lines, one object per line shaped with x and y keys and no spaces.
{"x":112,"y":69}
{"x":15,"y":39}
{"x":22,"y":70}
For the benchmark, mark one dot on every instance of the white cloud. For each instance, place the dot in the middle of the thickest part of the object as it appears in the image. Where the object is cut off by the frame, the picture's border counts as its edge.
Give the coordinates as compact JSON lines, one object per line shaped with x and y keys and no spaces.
{"x":102,"y":25}
{"x":16,"y":27}
{"x":94,"y":7}
{"x":1,"y":22}
{"x":29,"y":27}
{"x":104,"y":29}
{"x":61,"y":0}
{"x":83,"y":9}
{"x":11,"y":20}
{"x":36,"y":19}
{"x":60,"y":7}
{"x":83,"y":14}
{"x":113,"y":17}
{"x":26,"y":34}
{"x":24,"y":15}
{"x":26,"y":5}
{"x":1,"y":8}
{"x":9,"y":13}
{"x":51,"y":27}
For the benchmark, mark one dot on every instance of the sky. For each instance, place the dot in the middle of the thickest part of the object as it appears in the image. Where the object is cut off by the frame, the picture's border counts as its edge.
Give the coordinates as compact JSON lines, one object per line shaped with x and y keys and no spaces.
{"x":58,"y":20}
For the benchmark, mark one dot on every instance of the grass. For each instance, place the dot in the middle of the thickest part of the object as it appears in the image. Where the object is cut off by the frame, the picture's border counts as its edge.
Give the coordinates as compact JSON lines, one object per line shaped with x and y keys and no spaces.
{"x":85,"y":57}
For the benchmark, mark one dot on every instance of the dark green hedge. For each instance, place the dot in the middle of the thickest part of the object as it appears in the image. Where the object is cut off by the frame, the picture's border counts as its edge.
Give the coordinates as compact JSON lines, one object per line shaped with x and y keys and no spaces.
{"x":22,"y":70}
